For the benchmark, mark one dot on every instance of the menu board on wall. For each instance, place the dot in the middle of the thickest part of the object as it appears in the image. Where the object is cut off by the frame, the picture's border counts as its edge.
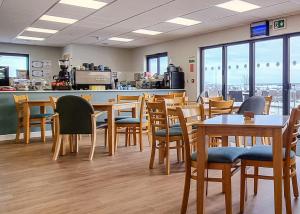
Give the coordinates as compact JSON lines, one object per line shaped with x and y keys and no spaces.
{"x":41,"y":68}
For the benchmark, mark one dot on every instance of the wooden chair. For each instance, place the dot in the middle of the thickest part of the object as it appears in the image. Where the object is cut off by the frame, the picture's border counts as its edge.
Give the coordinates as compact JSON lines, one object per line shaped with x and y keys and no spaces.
{"x":262,"y":156}
{"x":133,"y":125}
{"x":163,"y":135}
{"x":34,"y":120}
{"x":178,"y":94}
{"x":74,"y":116}
{"x":268,"y":102}
{"x":218,"y":108}
{"x":224,"y":159}
{"x":162,"y":97}
{"x":204,"y":100}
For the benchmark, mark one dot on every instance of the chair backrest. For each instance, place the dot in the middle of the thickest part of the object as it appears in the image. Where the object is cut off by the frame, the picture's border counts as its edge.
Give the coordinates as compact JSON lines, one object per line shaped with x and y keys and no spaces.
{"x":293,"y":127}
{"x":162,"y":97}
{"x":237,"y":96}
{"x":188,"y":117}
{"x":220,"y":107}
{"x":19,"y":99}
{"x":127,"y":99}
{"x":268,"y":101}
{"x":255,"y":104}
{"x":174,"y":102}
{"x":87,"y":97}
{"x":178,"y":94}
{"x":75,"y":115}
{"x":158,"y":116}
{"x":204,"y":100}
{"x":53,"y":101}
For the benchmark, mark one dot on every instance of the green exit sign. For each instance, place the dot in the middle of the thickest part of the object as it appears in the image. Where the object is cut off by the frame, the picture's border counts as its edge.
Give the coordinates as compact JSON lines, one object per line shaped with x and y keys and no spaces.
{"x":279,"y":24}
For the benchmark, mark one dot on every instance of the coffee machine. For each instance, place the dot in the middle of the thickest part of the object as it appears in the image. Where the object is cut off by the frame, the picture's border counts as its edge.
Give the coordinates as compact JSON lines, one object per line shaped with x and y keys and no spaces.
{"x":63,"y":79}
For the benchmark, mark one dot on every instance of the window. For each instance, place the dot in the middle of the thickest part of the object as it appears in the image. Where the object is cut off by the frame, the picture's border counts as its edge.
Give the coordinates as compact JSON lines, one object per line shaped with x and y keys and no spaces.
{"x":15,"y":62}
{"x":157,"y":63}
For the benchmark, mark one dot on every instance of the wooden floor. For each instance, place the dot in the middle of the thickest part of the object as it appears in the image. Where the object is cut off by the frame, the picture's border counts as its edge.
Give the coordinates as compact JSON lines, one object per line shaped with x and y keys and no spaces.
{"x":30,"y":182}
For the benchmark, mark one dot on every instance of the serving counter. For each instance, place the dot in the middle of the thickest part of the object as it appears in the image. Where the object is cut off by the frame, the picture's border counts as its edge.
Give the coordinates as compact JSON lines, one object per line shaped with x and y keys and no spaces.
{"x":8,"y":116}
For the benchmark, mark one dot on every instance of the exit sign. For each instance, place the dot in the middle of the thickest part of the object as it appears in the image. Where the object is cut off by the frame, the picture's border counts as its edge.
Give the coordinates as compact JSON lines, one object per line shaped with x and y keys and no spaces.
{"x":279,"y":24}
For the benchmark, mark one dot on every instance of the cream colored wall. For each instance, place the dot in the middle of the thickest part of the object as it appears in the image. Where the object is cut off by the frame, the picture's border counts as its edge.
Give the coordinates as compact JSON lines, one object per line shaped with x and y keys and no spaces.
{"x":36,"y":53}
{"x":118,"y":59}
{"x":180,"y":50}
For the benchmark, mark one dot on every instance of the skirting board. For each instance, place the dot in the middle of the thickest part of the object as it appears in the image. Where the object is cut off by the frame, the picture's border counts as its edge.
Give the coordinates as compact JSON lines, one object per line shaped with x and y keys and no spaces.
{"x":13,"y":136}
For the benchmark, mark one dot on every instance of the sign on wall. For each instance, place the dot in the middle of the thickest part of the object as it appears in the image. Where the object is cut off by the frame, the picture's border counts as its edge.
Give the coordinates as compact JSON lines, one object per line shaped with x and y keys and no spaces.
{"x":192,"y":62}
{"x":279,"y":24}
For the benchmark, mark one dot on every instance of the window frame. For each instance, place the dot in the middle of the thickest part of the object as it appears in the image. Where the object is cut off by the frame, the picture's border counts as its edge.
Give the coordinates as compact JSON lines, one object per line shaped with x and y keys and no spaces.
{"x":155,"y":56}
{"x":18,"y":55}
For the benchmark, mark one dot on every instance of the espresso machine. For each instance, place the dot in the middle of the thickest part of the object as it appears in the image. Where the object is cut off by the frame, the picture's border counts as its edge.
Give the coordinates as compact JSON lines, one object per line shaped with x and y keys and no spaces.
{"x":63,"y":79}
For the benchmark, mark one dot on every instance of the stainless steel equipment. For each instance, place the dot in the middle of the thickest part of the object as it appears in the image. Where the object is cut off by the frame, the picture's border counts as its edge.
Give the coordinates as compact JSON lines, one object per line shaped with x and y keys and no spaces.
{"x":84,"y":79}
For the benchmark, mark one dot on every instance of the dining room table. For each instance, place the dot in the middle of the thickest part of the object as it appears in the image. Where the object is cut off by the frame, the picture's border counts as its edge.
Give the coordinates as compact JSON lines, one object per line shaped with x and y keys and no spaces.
{"x":110,"y":108}
{"x":235,"y":125}
{"x":27,"y":105}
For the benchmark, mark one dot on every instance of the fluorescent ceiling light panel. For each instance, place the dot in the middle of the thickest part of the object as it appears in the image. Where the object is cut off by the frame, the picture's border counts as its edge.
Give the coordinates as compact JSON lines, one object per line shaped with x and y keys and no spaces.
{"x":41,"y":30}
{"x":119,"y":39}
{"x":183,"y":21}
{"x":92,"y":4}
{"x":238,"y":6}
{"x":30,"y":38}
{"x":58,"y":19}
{"x":147,"y":32}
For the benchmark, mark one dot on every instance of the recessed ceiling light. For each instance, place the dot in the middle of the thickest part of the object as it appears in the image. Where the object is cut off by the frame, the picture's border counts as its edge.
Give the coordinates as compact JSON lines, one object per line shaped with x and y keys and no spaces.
{"x":148,"y":32}
{"x":183,"y":21}
{"x":119,"y":39}
{"x":92,"y":4}
{"x":58,"y":19}
{"x":238,"y":6}
{"x":30,"y":38}
{"x":41,"y":30}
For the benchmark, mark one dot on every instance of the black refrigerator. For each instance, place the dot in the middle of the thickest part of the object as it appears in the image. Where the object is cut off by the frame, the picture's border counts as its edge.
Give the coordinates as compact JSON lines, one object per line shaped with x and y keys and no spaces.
{"x":174,"y":80}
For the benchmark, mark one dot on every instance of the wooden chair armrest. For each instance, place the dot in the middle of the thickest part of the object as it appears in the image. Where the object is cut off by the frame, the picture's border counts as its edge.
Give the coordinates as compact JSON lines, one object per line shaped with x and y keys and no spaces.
{"x":97,"y":114}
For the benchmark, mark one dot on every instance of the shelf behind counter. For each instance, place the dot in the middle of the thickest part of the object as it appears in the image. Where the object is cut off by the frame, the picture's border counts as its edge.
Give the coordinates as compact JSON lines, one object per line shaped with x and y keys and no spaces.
{"x":8,"y":116}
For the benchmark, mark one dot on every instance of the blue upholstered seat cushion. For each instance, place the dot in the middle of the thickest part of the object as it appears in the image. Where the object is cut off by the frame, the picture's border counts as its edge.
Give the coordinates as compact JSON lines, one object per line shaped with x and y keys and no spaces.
{"x":262,"y":153}
{"x":101,"y":125}
{"x":222,"y":154}
{"x":118,"y":118}
{"x":36,"y":116}
{"x":175,"y":131}
{"x":130,"y":121}
{"x":177,"y":125}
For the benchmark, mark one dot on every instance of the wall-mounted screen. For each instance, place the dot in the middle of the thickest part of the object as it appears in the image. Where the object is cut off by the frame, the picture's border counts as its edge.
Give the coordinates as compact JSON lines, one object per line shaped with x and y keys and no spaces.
{"x":260,"y":29}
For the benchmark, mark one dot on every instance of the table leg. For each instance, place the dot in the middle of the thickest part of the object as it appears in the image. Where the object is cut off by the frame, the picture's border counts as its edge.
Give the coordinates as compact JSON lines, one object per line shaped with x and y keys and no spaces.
{"x":277,"y":169}
{"x":111,"y":131}
{"x":202,"y":149}
{"x":43,"y":124}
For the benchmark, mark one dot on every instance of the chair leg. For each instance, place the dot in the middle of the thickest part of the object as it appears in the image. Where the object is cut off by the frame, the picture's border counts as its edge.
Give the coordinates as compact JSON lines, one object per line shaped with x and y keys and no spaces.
{"x":126,"y":137}
{"x":256,"y":170}
{"x":134,"y":136}
{"x":76,"y":143}
{"x":167,"y":155}
{"x":141,"y":138}
{"x":18,"y":133}
{"x":287,"y":189}
{"x":295,"y":184}
{"x":183,"y":152}
{"x":152,"y":157}
{"x":116,"y":138}
{"x":237,"y":141}
{"x":93,"y":146}
{"x":242,"y":188}
{"x":57,"y":146}
{"x":253,"y":140}
{"x":161,"y":151}
{"x":105,"y":137}
{"x":227,"y":188}
{"x":178,"y":151}
{"x":186,"y":191}
{"x":43,"y":130}
{"x":71,"y":145}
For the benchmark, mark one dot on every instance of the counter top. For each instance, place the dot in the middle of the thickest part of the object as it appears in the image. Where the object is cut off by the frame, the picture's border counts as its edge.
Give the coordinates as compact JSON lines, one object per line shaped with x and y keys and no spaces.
{"x":72,"y":91}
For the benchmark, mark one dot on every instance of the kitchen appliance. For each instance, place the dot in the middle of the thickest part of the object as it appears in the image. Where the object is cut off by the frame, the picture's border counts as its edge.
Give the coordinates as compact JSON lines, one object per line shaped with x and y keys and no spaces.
{"x":62,"y":80}
{"x":85,"y":79}
{"x":4,"y":76}
{"x":174,"y":80}
{"x":172,"y":68}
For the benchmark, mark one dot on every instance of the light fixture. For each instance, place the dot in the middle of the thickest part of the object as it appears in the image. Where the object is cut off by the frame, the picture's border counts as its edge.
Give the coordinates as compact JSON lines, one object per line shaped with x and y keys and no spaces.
{"x":92,"y":4}
{"x":58,"y":19}
{"x":238,"y":6}
{"x":30,"y":38}
{"x":147,"y":32}
{"x":183,"y":21}
{"x":41,"y":30}
{"x":119,"y":39}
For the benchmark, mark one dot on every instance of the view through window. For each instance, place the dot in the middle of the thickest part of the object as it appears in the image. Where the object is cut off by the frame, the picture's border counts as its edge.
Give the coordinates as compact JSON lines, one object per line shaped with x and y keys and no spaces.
{"x":15,"y":62}
{"x":157,"y":63}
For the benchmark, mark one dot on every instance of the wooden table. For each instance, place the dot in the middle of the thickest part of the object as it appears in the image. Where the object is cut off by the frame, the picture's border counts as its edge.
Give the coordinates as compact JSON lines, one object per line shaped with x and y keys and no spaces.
{"x":110,"y":108}
{"x":26,"y":117}
{"x":234,"y":125}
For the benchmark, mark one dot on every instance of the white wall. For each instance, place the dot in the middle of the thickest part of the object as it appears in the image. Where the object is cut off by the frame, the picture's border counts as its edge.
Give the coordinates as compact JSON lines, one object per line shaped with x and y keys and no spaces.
{"x":118,"y":59}
{"x":36,"y":53}
{"x":180,"y":50}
